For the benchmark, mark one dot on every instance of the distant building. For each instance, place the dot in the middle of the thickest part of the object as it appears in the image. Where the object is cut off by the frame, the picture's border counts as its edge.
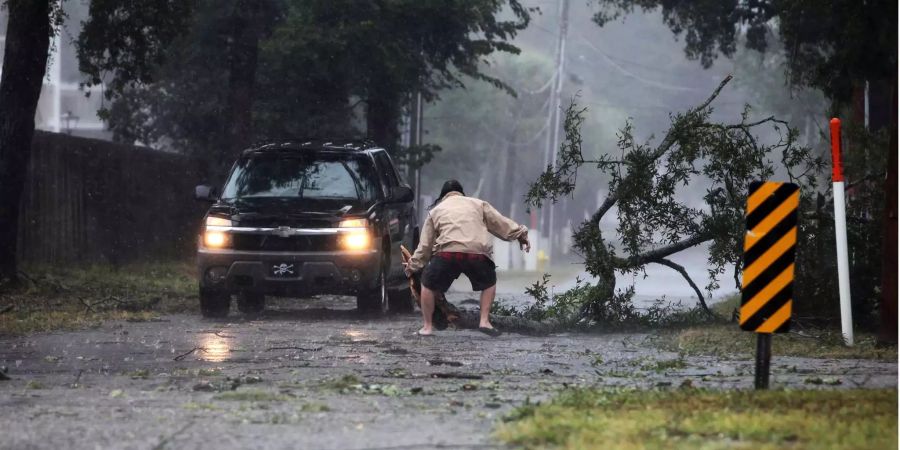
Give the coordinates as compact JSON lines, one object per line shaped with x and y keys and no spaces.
{"x":63,"y":107}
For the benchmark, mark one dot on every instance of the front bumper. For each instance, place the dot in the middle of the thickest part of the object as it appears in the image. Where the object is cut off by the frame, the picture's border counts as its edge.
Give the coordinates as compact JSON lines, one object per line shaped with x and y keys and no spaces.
{"x":301,"y":274}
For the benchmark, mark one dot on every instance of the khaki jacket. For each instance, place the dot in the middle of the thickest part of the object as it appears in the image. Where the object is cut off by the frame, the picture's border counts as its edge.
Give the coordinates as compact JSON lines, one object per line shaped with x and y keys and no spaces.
{"x":463,"y":224}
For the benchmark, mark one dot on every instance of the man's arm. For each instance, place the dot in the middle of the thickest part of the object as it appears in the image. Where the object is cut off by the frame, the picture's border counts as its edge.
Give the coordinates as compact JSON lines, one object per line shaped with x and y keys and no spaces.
{"x":423,"y":251}
{"x":502,"y":226}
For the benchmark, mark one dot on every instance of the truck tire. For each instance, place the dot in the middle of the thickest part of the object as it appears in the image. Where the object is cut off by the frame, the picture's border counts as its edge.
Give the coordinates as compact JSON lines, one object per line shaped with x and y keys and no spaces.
{"x":251,"y":303}
{"x":375,"y":299}
{"x":214,"y":303}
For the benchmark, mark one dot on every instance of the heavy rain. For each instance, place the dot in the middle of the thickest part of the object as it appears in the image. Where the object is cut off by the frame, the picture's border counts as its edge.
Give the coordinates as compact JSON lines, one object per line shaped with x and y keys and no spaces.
{"x":392,"y":224}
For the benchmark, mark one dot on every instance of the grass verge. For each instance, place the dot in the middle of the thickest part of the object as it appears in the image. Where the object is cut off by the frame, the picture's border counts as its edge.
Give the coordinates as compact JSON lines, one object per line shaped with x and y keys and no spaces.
{"x":689,"y":418}
{"x":724,"y":339}
{"x":728,"y":339}
{"x":72,"y":298}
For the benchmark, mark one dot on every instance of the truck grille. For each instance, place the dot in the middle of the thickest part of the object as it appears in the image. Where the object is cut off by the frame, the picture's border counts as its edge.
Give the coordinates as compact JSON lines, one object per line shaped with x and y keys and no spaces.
{"x":270,"y":243}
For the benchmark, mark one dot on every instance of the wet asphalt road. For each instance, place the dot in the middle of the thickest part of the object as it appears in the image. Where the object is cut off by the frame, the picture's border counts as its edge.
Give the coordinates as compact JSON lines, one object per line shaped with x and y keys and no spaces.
{"x":276,"y":382}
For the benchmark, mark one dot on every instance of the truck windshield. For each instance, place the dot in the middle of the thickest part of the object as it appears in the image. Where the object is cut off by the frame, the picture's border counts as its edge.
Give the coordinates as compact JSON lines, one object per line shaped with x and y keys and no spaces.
{"x":311,"y":177}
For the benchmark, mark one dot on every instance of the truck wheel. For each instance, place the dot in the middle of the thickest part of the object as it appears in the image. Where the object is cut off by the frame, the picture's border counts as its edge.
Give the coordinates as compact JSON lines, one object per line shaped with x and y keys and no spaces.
{"x":214,"y":303}
{"x":400,"y":301}
{"x":251,"y":303}
{"x":375,"y":299}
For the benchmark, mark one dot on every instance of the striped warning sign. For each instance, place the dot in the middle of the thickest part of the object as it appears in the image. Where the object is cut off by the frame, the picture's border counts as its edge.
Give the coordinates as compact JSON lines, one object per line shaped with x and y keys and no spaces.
{"x":767,"y":287}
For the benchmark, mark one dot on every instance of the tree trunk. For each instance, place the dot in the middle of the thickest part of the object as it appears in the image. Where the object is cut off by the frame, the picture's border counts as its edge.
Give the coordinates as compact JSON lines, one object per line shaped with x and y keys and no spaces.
{"x":888,"y":306}
{"x":382,"y":119}
{"x":243,"y":54}
{"x":24,"y":65}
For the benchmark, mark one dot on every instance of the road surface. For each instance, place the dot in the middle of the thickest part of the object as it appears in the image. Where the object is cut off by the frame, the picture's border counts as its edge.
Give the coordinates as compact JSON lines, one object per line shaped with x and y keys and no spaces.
{"x":322,"y":376}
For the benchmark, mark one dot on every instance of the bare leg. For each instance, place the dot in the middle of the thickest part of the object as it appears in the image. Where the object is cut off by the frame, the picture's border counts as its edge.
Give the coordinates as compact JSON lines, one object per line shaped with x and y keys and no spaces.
{"x":487,"y":298}
{"x":427,"y":309}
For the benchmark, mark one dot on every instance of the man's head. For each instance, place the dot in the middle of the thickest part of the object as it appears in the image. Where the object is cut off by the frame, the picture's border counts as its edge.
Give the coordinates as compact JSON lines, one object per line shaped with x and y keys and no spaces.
{"x":451,"y":186}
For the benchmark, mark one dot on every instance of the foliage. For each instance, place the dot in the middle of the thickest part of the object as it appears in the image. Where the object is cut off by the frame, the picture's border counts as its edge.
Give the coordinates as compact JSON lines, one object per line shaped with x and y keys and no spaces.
{"x":123,"y":43}
{"x":832,"y":45}
{"x":692,"y":418}
{"x":584,"y":306}
{"x":416,"y":156}
{"x":645,"y":183}
{"x":816,"y":283}
{"x":318,"y":61}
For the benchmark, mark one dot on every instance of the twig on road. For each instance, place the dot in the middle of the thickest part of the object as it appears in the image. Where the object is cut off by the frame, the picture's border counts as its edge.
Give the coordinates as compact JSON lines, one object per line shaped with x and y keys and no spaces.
{"x":463,"y":376}
{"x":167,"y":439}
{"x":181,"y":356}
{"x":77,"y":378}
{"x":294,"y":348}
{"x":441,"y":362}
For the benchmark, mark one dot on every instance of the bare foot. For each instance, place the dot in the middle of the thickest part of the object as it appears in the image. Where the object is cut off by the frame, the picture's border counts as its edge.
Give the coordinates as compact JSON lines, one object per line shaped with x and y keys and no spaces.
{"x":425,"y":332}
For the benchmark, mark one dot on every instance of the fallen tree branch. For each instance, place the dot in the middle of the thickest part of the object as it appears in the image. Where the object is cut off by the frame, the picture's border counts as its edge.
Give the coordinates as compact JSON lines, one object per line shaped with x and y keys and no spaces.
{"x":663,"y":147}
{"x":662,"y":252}
{"x":680,"y":269}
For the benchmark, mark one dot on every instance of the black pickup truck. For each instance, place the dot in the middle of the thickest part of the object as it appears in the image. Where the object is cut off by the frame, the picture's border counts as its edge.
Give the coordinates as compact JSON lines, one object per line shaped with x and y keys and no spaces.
{"x":297,"y":219}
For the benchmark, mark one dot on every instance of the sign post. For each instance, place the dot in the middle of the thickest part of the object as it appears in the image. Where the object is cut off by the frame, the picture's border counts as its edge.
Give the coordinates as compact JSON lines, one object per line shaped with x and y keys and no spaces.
{"x":768,"y":276}
{"x":840,"y":232}
{"x":763,"y":358}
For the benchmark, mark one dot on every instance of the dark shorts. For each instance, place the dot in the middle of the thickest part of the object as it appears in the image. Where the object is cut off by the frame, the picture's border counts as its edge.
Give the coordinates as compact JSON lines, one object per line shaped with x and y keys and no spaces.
{"x":445,"y":267}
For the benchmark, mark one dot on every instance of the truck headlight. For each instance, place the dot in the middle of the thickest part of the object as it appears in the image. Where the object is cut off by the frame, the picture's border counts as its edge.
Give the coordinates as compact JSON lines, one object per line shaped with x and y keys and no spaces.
{"x":215,"y":239}
{"x":357,"y":240}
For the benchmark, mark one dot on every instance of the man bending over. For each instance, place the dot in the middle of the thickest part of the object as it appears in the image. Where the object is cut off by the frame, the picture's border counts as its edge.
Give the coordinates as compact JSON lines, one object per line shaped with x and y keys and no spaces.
{"x":457,"y":240}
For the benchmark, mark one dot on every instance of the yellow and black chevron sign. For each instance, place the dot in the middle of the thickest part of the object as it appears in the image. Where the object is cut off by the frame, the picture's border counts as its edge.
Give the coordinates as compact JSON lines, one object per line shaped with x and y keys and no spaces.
{"x":769,"y":245}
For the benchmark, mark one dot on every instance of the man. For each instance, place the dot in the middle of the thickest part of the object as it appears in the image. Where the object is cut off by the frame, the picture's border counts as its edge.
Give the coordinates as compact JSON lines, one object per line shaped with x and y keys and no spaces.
{"x":457,"y":239}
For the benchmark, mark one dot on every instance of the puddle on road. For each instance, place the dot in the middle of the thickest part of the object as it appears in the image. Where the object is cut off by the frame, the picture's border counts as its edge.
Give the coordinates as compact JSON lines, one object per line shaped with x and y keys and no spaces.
{"x":357,"y":336}
{"x":215,"y":348}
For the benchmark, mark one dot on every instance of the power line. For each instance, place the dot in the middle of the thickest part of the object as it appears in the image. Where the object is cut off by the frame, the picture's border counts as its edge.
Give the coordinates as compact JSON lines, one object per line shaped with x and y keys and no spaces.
{"x":630,"y":74}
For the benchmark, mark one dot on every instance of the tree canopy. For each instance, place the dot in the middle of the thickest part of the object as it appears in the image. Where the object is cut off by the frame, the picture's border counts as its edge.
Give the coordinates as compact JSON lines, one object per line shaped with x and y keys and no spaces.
{"x":831,"y":45}
{"x":322,"y":67}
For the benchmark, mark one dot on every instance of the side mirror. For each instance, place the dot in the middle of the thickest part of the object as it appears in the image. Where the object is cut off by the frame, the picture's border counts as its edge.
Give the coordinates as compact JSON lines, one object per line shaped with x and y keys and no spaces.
{"x":401,"y":194}
{"x":205,"y":193}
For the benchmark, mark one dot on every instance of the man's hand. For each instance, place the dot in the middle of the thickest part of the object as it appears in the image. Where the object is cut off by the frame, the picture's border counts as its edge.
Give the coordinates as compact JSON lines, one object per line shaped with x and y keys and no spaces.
{"x":407,"y":271}
{"x":524,"y":244}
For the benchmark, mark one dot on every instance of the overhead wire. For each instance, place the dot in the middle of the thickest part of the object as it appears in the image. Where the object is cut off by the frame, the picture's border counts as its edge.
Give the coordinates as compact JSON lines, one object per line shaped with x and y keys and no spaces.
{"x":630,"y":74}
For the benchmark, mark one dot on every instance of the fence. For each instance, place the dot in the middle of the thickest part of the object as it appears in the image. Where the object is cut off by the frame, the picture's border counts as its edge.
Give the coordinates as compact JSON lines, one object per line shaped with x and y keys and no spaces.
{"x":95,"y":201}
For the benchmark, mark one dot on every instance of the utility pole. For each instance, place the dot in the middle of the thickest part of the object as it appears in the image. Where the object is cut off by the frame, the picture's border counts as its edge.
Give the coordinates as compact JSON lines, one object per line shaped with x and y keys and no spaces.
{"x":419,"y":107}
{"x":555,"y":94}
{"x":415,"y":139}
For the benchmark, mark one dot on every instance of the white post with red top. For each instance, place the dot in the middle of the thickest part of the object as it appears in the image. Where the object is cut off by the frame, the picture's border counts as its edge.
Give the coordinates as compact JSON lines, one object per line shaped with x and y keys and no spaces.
{"x":840,"y":232}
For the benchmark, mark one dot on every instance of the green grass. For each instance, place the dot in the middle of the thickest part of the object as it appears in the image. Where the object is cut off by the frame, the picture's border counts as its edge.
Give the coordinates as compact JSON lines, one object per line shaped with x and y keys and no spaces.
{"x":252,"y":395}
{"x":729,"y":339}
{"x":724,"y":339}
{"x":80,"y":297}
{"x":692,"y":419}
